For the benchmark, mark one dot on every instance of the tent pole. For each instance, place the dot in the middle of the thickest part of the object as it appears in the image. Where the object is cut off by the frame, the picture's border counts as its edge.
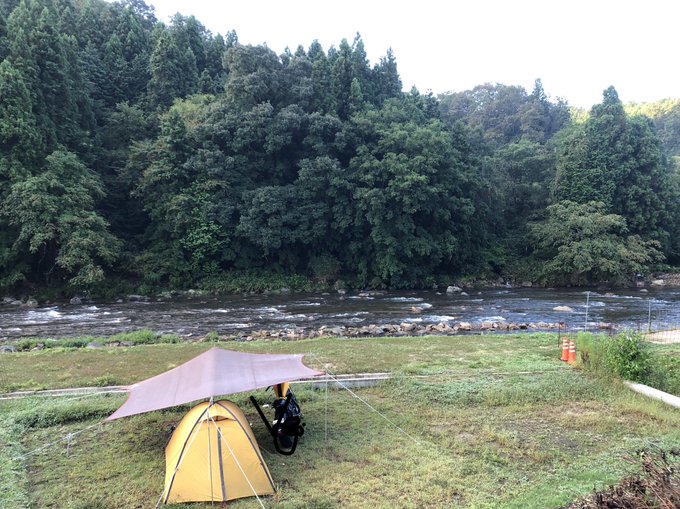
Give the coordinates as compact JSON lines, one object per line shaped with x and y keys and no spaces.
{"x":394,"y":424}
{"x":325,"y":419}
{"x":212,"y":496}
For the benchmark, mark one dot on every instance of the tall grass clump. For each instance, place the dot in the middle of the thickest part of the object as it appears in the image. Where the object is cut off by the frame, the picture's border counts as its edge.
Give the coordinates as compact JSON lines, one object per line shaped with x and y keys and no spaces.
{"x":139,"y":337}
{"x":629,"y":357}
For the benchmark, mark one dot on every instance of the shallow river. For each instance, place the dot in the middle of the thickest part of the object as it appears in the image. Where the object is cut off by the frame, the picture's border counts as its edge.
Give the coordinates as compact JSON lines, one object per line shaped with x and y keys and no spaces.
{"x":239,"y":314}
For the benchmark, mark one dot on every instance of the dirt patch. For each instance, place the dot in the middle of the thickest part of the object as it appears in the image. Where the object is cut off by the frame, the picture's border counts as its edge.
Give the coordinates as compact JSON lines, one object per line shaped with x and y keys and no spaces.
{"x":663,"y":337}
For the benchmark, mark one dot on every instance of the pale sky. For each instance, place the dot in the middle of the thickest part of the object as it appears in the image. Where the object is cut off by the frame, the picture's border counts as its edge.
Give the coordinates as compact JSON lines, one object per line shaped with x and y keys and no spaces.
{"x":577,"y":47}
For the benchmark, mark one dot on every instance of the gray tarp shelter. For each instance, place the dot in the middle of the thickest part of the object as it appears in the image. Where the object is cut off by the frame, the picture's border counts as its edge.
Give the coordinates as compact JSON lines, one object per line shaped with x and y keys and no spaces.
{"x":216,"y":372}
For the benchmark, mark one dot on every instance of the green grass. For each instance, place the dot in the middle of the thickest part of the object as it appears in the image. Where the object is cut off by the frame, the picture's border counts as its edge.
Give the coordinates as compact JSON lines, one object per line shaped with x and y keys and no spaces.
{"x":68,"y":367}
{"x":140,"y":337}
{"x":500,"y":423}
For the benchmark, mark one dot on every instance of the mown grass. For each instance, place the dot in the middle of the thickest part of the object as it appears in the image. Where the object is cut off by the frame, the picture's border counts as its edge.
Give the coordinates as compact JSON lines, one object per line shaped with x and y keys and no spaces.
{"x":70,"y":367}
{"x":499,"y":423}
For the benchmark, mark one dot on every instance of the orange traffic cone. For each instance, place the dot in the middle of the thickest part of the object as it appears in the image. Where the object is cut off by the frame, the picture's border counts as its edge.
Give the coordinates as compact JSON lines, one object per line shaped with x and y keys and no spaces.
{"x":571,"y":359}
{"x":565,"y":350}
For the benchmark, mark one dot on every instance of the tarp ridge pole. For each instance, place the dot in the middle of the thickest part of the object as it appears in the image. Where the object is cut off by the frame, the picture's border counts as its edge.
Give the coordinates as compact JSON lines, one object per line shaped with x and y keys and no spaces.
{"x":369,"y":405}
{"x":238,"y":464}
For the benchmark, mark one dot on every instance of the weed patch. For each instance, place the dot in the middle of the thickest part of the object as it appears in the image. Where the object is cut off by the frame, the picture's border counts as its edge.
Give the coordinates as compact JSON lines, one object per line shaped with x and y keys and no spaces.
{"x":628,"y":356}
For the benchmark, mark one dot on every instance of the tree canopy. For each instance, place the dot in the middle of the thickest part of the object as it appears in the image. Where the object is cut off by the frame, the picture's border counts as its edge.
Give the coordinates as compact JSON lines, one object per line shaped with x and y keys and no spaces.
{"x":161,"y":155}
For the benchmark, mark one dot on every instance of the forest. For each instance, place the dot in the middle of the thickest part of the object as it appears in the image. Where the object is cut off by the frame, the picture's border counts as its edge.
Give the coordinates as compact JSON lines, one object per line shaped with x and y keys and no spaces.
{"x":139,"y":155}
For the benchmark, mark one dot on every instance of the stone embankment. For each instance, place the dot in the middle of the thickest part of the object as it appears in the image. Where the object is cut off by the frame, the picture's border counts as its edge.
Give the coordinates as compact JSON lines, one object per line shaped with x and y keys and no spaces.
{"x":407,"y":329}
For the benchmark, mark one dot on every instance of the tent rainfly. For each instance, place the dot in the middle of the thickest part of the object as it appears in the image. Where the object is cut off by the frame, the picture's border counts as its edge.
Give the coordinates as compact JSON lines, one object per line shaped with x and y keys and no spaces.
{"x":213,"y":454}
{"x":223,"y":461}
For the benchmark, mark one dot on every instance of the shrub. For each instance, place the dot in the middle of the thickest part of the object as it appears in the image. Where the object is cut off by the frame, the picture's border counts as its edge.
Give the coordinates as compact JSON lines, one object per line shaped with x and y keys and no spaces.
{"x":627,"y":355}
{"x":212,"y":337}
{"x":630,"y":357}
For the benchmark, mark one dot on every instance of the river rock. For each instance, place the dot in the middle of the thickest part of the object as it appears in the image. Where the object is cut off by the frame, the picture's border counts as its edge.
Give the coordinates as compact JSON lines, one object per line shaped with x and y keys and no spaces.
{"x":658,"y":282}
{"x":416,"y":310}
{"x":6,"y":301}
{"x":466,"y":326}
{"x":31,"y":303}
{"x":284,"y":291}
{"x":137,"y":298}
{"x":407,"y":327}
{"x":76,"y":301}
{"x":453,"y":289}
{"x":563,"y":309}
{"x":527,"y":284}
{"x":644,"y":290}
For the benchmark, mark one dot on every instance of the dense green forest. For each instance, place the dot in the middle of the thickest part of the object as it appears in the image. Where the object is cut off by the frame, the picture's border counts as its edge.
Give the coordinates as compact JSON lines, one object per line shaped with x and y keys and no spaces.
{"x":141,"y":155}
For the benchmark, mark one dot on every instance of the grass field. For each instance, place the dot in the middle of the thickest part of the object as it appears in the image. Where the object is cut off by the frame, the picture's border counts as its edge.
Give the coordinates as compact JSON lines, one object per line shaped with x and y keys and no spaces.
{"x":498,"y":422}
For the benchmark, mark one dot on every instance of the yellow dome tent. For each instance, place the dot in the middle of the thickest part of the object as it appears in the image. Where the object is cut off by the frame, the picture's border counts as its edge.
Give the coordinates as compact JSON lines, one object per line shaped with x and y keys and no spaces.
{"x":213,"y":456}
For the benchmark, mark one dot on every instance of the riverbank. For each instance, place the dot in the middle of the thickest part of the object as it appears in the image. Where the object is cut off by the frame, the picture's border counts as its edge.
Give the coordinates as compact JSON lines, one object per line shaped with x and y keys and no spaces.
{"x":498,"y":422}
{"x":351,"y":314}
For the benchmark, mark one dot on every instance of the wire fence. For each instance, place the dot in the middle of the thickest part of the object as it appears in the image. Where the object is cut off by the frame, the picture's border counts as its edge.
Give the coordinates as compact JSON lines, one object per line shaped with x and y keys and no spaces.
{"x":657,"y":319}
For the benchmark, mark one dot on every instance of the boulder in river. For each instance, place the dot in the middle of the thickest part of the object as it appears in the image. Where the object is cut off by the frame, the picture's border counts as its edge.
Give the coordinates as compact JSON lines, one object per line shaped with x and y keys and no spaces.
{"x":31,"y":303}
{"x":408,"y":327}
{"x":453,"y":289}
{"x":658,"y":282}
{"x":76,"y":301}
{"x":466,"y":326}
{"x":563,"y":309}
